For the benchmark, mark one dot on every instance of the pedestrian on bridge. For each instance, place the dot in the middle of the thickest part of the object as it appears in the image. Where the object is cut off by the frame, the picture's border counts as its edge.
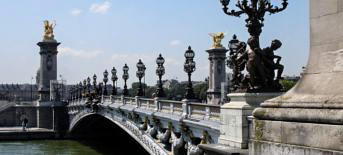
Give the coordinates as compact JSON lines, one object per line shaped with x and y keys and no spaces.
{"x":24,"y":124}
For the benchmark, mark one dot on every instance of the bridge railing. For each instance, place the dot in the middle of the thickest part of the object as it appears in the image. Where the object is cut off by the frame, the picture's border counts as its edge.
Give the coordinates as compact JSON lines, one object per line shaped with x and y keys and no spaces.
{"x":105,"y":98}
{"x":192,"y":110}
{"x":116,"y":99}
{"x":171,"y":107}
{"x":204,"y":111}
{"x":130,"y":101}
{"x":146,"y":103}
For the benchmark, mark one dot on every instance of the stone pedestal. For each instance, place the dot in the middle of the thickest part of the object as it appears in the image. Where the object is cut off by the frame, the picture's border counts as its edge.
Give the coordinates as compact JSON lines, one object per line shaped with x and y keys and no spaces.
{"x":45,"y":116}
{"x":217,"y":74}
{"x":307,"y":120}
{"x":234,"y":117}
{"x":48,"y":68}
{"x":52,"y":115}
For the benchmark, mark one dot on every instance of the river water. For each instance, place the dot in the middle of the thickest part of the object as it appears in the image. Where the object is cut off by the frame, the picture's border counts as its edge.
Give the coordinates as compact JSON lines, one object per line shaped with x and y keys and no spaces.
{"x":56,"y":147}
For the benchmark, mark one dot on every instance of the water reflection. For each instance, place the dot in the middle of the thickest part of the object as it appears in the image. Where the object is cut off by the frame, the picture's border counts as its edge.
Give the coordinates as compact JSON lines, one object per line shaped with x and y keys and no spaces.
{"x":60,"y":147}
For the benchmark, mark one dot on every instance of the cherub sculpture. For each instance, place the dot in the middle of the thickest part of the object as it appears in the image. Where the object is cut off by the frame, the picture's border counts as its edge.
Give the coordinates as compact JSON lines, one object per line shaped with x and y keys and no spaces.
{"x":217,"y":39}
{"x":49,"y":31}
{"x":269,"y":57}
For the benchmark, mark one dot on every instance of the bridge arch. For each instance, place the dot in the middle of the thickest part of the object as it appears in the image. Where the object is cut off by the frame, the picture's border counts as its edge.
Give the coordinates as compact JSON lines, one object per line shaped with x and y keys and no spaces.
{"x":104,"y":128}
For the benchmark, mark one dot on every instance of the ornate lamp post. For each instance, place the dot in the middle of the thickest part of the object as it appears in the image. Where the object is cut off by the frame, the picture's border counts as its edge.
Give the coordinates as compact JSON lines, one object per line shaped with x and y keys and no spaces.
{"x":140,"y":74}
{"x":160,"y":71}
{"x":114,"y":79}
{"x":255,"y":10}
{"x":94,"y":84}
{"x":189,"y":68}
{"x":105,"y":82}
{"x":125,"y":77}
{"x":89,"y":85}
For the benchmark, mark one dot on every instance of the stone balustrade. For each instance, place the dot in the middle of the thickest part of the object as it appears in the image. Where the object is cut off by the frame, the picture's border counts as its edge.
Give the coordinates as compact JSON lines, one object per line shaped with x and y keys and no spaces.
{"x":190,"y":110}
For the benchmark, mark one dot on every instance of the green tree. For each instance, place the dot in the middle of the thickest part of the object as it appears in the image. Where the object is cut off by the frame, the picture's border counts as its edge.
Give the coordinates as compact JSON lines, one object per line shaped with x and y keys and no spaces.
{"x":177,"y":91}
{"x":149,"y":91}
{"x":134,"y":88}
{"x":287,"y":84}
{"x":200,"y":91}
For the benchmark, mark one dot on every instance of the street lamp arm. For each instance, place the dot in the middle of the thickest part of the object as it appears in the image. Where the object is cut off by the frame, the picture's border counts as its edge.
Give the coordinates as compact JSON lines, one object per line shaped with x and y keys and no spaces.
{"x":275,"y":9}
{"x":232,"y":12}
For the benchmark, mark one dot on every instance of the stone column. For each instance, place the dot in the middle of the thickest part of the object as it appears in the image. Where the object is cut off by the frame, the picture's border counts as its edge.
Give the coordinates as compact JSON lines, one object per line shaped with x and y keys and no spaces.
{"x":47,"y":72}
{"x":217,"y":74}
{"x":308,"y":119}
{"x":48,"y":68}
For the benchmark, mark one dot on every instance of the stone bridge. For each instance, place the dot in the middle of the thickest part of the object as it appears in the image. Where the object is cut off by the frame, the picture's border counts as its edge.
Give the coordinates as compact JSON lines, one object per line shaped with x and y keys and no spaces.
{"x":159,"y":126}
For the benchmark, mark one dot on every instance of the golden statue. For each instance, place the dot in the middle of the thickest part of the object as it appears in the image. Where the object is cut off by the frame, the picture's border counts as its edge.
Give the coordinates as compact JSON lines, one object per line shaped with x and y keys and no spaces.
{"x":217,"y":39}
{"x":49,"y":31}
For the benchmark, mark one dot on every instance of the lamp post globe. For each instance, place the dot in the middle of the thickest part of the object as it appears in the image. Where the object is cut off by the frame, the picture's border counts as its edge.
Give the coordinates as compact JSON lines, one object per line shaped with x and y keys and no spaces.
{"x":189,"y":54}
{"x":160,"y":60}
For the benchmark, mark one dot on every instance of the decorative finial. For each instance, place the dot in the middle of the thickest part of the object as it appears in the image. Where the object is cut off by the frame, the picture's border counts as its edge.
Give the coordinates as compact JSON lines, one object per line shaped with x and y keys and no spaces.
{"x":234,"y":37}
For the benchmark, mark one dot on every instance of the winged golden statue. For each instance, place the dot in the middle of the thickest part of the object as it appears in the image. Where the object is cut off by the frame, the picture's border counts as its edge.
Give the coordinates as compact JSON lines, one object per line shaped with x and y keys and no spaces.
{"x":217,"y":39}
{"x":49,"y":31}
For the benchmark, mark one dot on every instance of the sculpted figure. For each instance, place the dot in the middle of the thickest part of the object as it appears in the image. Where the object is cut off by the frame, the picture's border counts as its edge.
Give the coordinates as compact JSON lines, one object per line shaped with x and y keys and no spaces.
{"x":164,"y":138}
{"x":269,"y":57}
{"x":255,"y":66}
{"x":49,"y":31}
{"x":259,"y":63}
{"x":193,"y":148}
{"x":236,"y":61}
{"x":144,"y":126}
{"x":178,"y":144}
{"x":152,"y":131}
{"x":217,"y":39}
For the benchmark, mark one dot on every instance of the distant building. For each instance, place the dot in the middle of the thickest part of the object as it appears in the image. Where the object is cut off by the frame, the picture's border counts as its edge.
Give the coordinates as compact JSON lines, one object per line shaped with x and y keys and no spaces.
{"x":18,"y":92}
{"x":167,"y":84}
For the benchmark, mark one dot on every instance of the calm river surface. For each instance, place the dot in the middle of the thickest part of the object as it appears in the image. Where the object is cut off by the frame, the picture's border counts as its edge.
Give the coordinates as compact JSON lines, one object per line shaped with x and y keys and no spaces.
{"x":52,"y":147}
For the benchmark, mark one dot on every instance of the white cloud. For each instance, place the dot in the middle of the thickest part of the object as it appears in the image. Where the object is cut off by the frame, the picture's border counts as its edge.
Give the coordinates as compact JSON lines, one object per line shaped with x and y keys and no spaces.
{"x":67,"y":51}
{"x":101,"y":8}
{"x":76,"y":12}
{"x":175,"y":43}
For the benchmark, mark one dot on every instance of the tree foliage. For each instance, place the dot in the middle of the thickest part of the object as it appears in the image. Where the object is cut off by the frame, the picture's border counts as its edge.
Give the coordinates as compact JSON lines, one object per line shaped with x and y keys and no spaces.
{"x":287,"y":84}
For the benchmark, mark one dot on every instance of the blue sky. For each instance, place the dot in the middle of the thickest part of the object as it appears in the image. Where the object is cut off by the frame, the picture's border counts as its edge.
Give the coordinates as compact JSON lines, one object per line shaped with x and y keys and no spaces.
{"x":96,"y":35}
